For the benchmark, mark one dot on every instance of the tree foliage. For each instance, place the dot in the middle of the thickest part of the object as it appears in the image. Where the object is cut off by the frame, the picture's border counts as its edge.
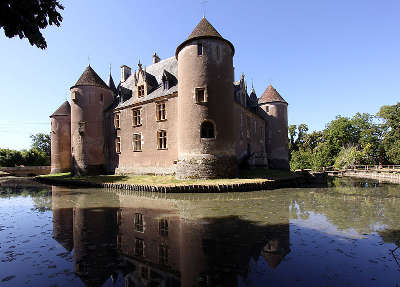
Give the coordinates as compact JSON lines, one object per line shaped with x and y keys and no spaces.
{"x":38,"y":154}
{"x":25,"y":19}
{"x":41,"y":142}
{"x":348,"y":141}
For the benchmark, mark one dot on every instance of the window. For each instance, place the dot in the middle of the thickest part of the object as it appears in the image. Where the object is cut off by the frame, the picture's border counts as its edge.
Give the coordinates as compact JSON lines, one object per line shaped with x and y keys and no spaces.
{"x":163,"y":254}
{"x":162,"y":139}
{"x":165,"y":83}
{"x":161,"y":112}
{"x":267,"y":109}
{"x":101,"y":98}
{"x":117,"y":120}
{"x":141,"y":91}
{"x":137,"y":142}
{"x":136,"y":117}
{"x":139,"y":247}
{"x":199,"y":49}
{"x":139,"y":222}
{"x":218,"y":52}
{"x":163,"y":227}
{"x":200,"y":95}
{"x":207,"y":130}
{"x":118,"y":145}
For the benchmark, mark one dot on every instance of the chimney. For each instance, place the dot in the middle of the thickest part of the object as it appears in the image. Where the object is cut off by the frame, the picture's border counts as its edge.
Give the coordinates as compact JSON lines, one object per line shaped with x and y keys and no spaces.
{"x":125,"y":73}
{"x":156,"y":58}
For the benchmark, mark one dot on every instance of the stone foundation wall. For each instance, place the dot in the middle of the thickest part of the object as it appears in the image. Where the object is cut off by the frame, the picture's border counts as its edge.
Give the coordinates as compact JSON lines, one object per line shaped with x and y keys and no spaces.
{"x":146,"y":170}
{"x":26,"y":170}
{"x":207,"y":166}
{"x":381,"y":176}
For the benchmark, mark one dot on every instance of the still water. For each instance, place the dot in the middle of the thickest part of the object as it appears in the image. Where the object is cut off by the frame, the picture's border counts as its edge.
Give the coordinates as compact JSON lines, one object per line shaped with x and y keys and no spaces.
{"x":344,"y":235}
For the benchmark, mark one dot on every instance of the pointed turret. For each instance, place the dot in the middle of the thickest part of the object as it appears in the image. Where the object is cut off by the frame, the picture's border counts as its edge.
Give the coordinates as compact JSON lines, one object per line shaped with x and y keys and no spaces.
{"x":63,"y":110}
{"x":271,"y":95}
{"x":204,"y":30}
{"x":90,"y":78}
{"x":111,"y":85}
{"x":276,"y":108}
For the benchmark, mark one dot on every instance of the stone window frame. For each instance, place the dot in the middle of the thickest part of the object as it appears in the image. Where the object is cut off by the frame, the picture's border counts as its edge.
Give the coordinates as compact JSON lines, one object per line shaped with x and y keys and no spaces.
{"x":135,"y":117}
{"x":118,"y":145}
{"x":196,"y":95}
{"x":158,"y":115}
{"x":214,"y":131}
{"x":165,"y":84}
{"x":117,"y":120}
{"x":162,"y":144}
{"x":140,"y":91}
{"x":135,"y":141}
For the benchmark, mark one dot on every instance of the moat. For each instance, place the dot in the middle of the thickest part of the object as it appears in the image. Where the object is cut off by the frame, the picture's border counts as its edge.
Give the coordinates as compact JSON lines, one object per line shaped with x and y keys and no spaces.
{"x":345,"y":235}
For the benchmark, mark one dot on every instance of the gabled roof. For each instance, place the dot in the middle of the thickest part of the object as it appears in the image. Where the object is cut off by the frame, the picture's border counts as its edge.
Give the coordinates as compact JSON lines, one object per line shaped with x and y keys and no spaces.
{"x":63,"y":110}
{"x":90,"y":78}
{"x":203,"y":30}
{"x":155,"y":73}
{"x":270,"y":95}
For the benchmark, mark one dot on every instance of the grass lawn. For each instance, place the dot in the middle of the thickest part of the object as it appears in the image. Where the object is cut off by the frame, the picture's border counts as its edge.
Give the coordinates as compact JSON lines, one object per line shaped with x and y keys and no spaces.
{"x":248,"y":176}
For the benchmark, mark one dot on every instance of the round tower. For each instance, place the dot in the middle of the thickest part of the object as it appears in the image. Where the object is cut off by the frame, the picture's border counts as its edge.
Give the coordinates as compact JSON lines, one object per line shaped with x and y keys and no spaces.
{"x":61,"y":139}
{"x":277,"y":128}
{"x":90,"y":96}
{"x":205,"y":105}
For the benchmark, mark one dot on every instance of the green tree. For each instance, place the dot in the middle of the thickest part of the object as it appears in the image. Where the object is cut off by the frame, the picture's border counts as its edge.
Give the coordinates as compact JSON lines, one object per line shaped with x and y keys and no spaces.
{"x":10,"y":157}
{"x":390,"y":116}
{"x":41,"y":142}
{"x":25,"y":18}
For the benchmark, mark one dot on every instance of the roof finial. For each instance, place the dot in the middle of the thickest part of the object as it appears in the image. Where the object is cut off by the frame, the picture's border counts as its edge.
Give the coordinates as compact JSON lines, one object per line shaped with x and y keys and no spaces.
{"x":140,"y":65}
{"x":204,"y":3}
{"x":88,"y":60}
{"x":110,"y":68}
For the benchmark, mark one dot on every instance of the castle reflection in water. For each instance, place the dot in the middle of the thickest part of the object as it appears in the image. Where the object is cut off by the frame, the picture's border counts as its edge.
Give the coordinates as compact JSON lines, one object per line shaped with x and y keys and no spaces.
{"x":150,"y":243}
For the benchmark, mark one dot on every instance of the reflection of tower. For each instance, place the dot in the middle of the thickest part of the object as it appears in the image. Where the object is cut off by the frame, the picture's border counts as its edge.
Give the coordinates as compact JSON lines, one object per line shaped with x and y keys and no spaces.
{"x":62,"y":218}
{"x":95,"y":237}
{"x":277,"y":245}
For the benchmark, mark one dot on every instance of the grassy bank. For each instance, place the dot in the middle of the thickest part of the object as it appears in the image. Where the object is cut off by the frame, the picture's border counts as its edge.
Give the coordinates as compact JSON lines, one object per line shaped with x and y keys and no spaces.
{"x":248,"y":176}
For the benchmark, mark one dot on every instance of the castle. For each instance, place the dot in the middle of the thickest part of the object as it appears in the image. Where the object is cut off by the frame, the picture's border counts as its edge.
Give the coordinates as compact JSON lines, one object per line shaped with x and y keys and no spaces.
{"x":184,"y":115}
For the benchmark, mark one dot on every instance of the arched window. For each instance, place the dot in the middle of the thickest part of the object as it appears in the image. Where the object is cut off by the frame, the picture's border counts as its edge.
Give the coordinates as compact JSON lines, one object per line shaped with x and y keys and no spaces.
{"x":207,"y":130}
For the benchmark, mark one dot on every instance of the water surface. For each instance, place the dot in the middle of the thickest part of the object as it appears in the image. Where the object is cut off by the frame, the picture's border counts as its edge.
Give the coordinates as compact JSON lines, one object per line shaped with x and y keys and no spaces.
{"x":344,"y":235}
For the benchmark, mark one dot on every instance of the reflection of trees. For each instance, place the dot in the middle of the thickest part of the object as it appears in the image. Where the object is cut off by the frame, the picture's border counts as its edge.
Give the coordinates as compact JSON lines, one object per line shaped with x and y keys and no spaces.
{"x":41,"y":196}
{"x":351,"y":207}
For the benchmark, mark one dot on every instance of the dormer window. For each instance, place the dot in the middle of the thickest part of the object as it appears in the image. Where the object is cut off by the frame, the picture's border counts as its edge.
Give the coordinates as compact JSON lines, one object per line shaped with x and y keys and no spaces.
{"x":165,"y":83}
{"x":141,"y":91}
{"x":199,"y":49}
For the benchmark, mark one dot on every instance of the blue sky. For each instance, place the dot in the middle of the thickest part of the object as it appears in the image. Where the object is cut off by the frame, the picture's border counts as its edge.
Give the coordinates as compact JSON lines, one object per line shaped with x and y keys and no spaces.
{"x":326,"y":58}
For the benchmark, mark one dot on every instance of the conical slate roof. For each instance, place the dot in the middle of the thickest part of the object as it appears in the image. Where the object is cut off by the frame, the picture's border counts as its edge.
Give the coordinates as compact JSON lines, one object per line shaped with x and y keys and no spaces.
{"x":270,"y":95}
{"x":90,"y":78}
{"x":63,"y":110}
{"x":203,"y":30}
